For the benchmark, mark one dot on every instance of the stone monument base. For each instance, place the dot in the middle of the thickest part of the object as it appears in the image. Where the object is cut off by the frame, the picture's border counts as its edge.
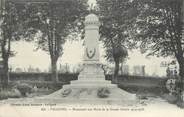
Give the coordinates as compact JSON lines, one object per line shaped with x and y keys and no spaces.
{"x":91,"y":94}
{"x":92,"y":88}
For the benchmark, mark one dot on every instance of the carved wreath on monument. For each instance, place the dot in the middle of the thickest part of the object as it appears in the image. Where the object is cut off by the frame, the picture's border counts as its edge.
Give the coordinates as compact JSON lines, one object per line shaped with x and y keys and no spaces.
{"x":90,"y":54}
{"x":66,"y":92}
{"x":103,"y":92}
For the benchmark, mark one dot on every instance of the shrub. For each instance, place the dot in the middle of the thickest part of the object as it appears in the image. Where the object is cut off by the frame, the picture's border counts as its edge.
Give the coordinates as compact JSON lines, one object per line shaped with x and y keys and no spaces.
{"x":55,"y":86}
{"x":5,"y":94}
{"x":170,"y":98}
{"x":24,"y":89}
{"x":103,"y":93}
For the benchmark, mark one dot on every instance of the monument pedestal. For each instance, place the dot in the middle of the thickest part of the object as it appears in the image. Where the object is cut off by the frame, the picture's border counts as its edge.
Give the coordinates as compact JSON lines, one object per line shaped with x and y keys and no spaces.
{"x":91,"y":76}
{"x":92,"y":88}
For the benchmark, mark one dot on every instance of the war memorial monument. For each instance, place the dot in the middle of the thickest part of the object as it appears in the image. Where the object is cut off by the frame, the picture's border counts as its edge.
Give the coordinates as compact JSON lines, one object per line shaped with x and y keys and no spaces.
{"x":91,"y":86}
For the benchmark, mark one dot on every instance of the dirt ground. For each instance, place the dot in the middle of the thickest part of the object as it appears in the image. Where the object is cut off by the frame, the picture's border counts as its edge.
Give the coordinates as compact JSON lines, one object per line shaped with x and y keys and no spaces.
{"x":153,"y":107}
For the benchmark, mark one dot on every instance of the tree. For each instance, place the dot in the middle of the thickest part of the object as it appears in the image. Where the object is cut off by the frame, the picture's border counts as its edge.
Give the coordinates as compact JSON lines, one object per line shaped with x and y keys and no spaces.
{"x":117,"y":54}
{"x":159,"y":28}
{"x":117,"y":20}
{"x":55,"y":21}
{"x":10,"y":30}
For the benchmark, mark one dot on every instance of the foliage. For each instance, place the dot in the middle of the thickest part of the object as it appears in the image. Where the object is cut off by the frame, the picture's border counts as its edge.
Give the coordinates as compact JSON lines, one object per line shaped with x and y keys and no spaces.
{"x":24,"y":88}
{"x":4,"y":94}
{"x":117,"y":23}
{"x":55,"y":20}
{"x":117,"y":19}
{"x":160,"y":27}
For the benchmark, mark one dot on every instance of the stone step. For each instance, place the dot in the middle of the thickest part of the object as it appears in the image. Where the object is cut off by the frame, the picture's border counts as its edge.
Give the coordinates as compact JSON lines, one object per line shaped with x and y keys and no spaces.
{"x":92,"y":79}
{"x":93,"y":75}
{"x":89,"y":85}
{"x":97,"y":78}
{"x":89,"y":78}
{"x":87,"y":81}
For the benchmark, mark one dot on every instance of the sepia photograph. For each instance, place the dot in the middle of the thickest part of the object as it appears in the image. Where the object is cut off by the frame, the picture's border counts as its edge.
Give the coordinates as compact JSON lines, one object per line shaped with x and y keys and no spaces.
{"x":91,"y":58}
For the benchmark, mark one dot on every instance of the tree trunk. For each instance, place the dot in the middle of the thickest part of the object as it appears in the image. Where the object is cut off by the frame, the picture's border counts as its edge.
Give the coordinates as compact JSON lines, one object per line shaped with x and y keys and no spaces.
{"x":181,"y":69}
{"x":181,"y":80}
{"x":54,"y":70}
{"x":116,"y":71}
{"x":5,"y":74}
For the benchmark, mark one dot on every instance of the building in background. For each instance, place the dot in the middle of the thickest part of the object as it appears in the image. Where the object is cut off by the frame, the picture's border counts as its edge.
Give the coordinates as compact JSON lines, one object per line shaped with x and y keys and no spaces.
{"x":139,"y":70}
{"x":124,"y":70}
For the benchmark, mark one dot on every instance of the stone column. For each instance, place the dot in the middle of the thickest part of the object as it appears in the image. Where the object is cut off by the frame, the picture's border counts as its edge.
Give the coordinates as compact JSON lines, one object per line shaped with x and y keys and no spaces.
{"x":91,"y":54}
{"x":92,"y":68}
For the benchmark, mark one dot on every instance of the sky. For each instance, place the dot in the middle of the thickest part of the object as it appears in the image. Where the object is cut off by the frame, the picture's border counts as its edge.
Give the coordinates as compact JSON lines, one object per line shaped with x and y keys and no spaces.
{"x":73,"y":54}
